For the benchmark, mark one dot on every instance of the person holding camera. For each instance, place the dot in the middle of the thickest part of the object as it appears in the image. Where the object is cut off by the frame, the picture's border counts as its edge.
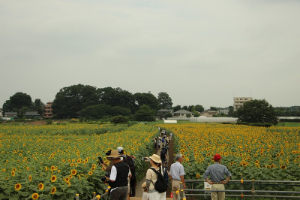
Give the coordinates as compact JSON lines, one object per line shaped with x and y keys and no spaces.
{"x":118,"y":178}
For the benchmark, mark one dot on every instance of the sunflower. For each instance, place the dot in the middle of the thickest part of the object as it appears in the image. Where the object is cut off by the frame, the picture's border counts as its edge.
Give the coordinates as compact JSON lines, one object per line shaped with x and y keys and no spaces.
{"x":93,"y":168}
{"x":53,"y":190}
{"x":79,"y":160}
{"x":18,"y":186}
{"x":67,"y":179}
{"x":197,"y":175}
{"x":35,"y":196}
{"x":90,"y":173}
{"x":72,"y":164}
{"x":14,"y":169}
{"x":73,"y":172}
{"x":13,"y":173}
{"x":30,"y":178}
{"x":53,"y":178}
{"x":52,"y":168}
{"x":27,"y":168}
{"x":283,"y":167}
{"x":41,"y":186}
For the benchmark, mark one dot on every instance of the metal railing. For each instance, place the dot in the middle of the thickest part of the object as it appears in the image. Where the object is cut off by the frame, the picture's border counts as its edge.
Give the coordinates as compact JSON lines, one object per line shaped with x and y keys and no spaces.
{"x":247,"y":189}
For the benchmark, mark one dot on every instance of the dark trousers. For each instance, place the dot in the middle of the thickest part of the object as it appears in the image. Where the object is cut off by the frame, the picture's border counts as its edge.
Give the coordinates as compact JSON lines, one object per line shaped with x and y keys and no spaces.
{"x":132,"y":187}
{"x":119,"y":194}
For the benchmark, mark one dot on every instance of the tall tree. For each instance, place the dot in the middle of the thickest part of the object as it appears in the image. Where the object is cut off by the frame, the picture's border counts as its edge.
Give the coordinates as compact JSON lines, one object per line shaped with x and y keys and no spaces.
{"x":164,"y":100}
{"x":176,"y":108}
{"x":191,"y":108}
{"x":7,"y":106}
{"x":257,"y":111}
{"x":144,"y":114}
{"x":20,"y":102}
{"x":199,"y":108}
{"x":146,"y":99}
{"x":213,"y":108}
{"x":38,"y":106}
{"x":70,"y":100}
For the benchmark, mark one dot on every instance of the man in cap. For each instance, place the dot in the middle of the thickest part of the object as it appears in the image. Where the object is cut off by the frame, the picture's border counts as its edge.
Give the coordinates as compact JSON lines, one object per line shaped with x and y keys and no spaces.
{"x":129,"y":160}
{"x":216,"y":173}
{"x":118,"y":177}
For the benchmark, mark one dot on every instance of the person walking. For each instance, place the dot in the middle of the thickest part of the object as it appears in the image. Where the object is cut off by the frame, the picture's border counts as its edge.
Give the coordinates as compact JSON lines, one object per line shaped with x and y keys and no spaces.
{"x":171,"y":134}
{"x":216,"y":173}
{"x":177,"y":174}
{"x":118,"y":179}
{"x":129,"y":160}
{"x":152,"y":177}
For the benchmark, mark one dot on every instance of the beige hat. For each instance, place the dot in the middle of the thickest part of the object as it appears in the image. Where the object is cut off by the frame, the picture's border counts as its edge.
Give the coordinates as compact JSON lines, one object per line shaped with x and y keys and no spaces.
{"x":144,"y":186}
{"x":114,"y":154}
{"x":155,"y":158}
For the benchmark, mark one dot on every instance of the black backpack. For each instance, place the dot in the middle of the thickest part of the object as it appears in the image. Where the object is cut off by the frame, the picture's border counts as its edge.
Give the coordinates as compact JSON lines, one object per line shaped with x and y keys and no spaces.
{"x":160,"y":185}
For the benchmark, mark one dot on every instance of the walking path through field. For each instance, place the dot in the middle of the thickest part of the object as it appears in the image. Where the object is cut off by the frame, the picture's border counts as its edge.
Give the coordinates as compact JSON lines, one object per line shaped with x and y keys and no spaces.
{"x":170,"y":159}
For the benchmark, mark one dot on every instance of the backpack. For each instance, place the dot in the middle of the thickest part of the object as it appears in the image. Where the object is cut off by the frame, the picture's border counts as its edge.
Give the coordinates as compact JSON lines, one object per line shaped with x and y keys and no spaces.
{"x":160,"y":185}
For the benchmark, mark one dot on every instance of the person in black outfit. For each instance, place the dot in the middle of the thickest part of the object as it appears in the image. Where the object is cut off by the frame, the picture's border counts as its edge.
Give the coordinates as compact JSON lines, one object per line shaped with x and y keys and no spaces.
{"x":118,"y":179}
{"x":129,"y":160}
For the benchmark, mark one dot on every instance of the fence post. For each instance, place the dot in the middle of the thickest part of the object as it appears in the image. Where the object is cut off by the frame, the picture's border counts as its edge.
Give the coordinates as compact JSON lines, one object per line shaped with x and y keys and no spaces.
{"x":242,"y":187}
{"x":181,"y":190}
{"x":77,"y":196}
{"x":94,"y":194}
{"x":253,"y":191}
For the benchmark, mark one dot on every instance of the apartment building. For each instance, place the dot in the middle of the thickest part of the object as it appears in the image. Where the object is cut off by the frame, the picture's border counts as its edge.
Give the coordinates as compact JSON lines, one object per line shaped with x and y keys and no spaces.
{"x":48,"y":110}
{"x":238,"y":102}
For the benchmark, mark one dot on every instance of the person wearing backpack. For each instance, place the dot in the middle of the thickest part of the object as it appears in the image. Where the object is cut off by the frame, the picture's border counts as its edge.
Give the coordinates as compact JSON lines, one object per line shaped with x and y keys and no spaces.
{"x":155,"y":181}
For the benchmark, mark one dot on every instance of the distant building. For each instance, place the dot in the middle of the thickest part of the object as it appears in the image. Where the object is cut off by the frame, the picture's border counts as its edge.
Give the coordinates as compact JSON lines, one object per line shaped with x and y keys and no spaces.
{"x":295,"y":108}
{"x":48,"y":110}
{"x":182,"y":113}
{"x":223,"y":111}
{"x":209,"y":113}
{"x":32,"y":114}
{"x":238,"y":102}
{"x":1,"y":113}
{"x":11,"y":114}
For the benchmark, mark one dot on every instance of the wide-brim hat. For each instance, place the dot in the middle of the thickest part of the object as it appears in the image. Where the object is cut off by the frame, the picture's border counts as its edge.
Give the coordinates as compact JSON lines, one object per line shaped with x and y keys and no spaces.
{"x":114,"y":154}
{"x":155,"y":158}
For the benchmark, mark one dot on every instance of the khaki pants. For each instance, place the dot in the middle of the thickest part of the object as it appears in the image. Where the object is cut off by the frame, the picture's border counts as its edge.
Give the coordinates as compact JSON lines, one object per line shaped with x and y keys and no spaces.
{"x":218,"y":195}
{"x":175,"y":187}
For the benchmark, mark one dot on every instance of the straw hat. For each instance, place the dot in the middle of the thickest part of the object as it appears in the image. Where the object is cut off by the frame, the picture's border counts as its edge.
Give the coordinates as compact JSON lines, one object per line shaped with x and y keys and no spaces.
{"x":155,"y":158}
{"x":144,"y":186}
{"x":114,"y":154}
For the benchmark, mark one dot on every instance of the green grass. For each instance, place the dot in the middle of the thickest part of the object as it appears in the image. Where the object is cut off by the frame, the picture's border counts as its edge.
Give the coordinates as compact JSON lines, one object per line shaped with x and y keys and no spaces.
{"x":289,"y":124}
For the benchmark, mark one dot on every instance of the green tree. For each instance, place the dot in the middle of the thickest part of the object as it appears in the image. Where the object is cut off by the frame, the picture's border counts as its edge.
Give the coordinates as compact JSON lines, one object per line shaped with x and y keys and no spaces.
{"x":146,"y":99}
{"x":168,"y":115}
{"x":119,"y":119}
{"x":176,"y":108}
{"x":101,"y":111}
{"x":231,"y":112}
{"x":184,"y":108}
{"x":257,"y":111}
{"x":213,"y":108}
{"x":144,"y":114}
{"x":196,"y":114}
{"x":199,"y":108}
{"x":164,"y":100}
{"x":20,"y":102}
{"x":70,"y":100}
{"x":191,"y":108}
{"x":38,"y":106}
{"x":7,"y":106}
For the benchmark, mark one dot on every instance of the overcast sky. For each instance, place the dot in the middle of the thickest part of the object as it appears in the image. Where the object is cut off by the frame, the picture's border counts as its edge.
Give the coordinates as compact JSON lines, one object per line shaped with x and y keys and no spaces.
{"x":198,"y":51}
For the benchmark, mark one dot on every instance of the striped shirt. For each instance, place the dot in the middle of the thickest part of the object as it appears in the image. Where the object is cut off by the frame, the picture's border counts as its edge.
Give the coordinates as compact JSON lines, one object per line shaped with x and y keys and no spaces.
{"x":216,"y":172}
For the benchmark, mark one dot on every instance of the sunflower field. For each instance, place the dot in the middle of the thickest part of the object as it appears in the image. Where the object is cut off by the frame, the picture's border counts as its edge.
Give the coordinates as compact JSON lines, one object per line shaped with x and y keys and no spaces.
{"x":255,"y":152}
{"x":57,"y":162}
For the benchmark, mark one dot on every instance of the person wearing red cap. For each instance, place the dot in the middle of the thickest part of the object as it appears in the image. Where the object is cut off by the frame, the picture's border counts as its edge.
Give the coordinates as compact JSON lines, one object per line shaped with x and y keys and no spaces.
{"x":216,"y":173}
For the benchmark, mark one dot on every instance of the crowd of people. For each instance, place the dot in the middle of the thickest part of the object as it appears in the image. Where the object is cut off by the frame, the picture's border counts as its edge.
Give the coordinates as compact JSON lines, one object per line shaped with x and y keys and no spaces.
{"x":121,"y":174}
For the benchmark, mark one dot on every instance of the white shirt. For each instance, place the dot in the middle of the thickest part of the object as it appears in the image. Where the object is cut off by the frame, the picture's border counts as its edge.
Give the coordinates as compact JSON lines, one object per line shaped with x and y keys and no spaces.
{"x":113,"y":173}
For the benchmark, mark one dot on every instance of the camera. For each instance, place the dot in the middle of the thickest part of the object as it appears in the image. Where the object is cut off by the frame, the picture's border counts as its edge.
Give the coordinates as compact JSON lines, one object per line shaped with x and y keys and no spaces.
{"x":103,"y":178}
{"x":146,"y":159}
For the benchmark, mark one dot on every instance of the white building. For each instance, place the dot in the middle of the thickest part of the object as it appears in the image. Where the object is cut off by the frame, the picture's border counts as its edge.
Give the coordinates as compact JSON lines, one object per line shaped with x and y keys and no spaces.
{"x":224,"y":111}
{"x":238,"y":102}
{"x":1,"y":113}
{"x":183,"y":114}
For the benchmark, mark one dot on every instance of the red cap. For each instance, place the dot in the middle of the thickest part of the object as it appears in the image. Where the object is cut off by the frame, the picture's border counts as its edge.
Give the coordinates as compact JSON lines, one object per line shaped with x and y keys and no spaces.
{"x":217,"y":157}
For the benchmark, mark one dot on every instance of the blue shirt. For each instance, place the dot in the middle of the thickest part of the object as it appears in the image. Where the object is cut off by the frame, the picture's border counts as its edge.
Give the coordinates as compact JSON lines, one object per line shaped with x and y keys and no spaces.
{"x":216,"y":172}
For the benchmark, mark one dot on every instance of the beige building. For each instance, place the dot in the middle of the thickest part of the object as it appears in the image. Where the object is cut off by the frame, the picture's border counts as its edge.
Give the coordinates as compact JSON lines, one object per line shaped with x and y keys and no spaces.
{"x":48,"y":110}
{"x":238,"y":102}
{"x":209,"y":113}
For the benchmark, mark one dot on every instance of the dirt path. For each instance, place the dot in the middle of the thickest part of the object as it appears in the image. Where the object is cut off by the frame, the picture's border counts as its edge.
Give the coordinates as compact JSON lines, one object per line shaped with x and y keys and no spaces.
{"x":170,"y":159}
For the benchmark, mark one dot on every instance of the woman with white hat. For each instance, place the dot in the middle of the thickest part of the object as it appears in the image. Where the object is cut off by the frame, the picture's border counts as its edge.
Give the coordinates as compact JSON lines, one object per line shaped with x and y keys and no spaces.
{"x":151,"y":178}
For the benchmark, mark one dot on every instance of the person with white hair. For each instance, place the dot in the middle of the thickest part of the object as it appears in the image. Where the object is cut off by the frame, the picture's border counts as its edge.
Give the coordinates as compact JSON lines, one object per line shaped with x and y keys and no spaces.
{"x":177,"y":175}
